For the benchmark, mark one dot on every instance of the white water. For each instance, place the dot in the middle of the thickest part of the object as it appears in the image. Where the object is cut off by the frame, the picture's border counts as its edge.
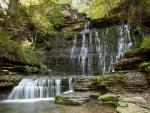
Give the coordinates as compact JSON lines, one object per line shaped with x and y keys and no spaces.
{"x":41,"y":89}
{"x":38,"y":89}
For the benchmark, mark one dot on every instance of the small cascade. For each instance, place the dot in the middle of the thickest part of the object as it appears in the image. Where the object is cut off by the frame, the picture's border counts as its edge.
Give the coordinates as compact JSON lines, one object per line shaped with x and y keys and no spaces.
{"x":31,"y":89}
{"x":70,"y":84}
{"x":39,"y":89}
{"x":58,"y":88}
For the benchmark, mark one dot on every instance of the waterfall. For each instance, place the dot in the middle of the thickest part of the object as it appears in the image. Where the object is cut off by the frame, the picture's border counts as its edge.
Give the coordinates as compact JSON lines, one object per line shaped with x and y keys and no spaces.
{"x":39,"y":89}
{"x":100,"y":49}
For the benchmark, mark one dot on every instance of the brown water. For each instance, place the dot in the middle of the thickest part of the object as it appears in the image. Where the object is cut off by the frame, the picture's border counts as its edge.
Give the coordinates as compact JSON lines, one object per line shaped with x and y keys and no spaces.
{"x":50,"y":107}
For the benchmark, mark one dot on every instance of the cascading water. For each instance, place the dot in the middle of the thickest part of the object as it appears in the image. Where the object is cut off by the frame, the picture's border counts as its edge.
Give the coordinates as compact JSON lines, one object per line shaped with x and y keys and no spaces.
{"x":39,"y":89}
{"x":100,"y":49}
{"x":32,"y":89}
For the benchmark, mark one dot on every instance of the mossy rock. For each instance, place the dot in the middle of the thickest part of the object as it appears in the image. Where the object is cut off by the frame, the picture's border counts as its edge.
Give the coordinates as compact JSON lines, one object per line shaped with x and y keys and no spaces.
{"x":145,"y":66}
{"x":108,"y":99}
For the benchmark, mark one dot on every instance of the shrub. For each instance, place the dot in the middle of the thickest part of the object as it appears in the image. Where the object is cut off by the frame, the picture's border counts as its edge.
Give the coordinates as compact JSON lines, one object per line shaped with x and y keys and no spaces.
{"x":146,"y":42}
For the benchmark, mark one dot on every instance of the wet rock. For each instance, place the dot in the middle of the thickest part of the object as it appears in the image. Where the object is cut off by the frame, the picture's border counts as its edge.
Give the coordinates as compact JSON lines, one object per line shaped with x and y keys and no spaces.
{"x":108,"y":99}
{"x":133,"y":105}
{"x":140,"y":52}
{"x":72,"y":99}
{"x":131,"y":63}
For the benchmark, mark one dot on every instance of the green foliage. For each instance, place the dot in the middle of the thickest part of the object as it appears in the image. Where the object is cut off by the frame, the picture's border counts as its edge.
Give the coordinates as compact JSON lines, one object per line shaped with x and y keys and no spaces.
{"x":14,"y":52}
{"x":46,"y":15}
{"x":146,"y":42}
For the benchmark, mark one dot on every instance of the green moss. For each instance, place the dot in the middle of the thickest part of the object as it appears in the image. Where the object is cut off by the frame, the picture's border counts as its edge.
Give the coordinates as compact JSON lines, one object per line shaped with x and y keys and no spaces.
{"x":146,"y":42}
{"x":108,"y":97}
{"x":145,"y":66}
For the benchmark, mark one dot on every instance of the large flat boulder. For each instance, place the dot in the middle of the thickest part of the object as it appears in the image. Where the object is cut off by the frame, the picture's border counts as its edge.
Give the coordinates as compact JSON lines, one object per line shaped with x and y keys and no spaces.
{"x":76,"y":98}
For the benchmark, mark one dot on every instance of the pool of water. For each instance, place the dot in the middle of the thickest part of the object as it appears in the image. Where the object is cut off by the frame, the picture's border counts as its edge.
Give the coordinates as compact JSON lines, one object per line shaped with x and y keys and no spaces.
{"x":50,"y":107}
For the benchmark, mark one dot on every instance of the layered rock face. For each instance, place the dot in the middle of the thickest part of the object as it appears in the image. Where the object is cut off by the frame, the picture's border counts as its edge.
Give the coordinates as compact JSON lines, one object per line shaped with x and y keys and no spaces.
{"x":132,"y":59}
{"x":8,"y":81}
